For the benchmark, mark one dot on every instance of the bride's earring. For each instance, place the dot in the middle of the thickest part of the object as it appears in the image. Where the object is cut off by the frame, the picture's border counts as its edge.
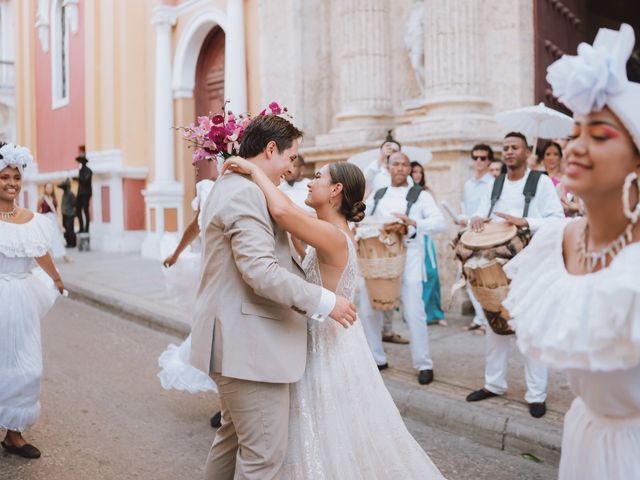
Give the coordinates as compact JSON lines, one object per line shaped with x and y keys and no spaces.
{"x":632,"y":215}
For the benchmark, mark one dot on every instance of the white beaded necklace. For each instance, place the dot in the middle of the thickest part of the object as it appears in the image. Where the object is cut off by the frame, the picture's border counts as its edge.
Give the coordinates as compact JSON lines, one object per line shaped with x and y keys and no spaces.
{"x":590,"y":260}
{"x":9,"y":215}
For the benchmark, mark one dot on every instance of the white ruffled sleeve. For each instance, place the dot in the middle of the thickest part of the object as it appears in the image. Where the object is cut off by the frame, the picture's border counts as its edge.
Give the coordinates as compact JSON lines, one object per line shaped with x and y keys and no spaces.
{"x":587,"y":322}
{"x":32,"y":239}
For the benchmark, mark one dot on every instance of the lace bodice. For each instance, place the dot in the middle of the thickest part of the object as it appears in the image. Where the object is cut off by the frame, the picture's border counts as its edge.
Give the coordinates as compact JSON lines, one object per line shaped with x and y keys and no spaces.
{"x":348,"y":280}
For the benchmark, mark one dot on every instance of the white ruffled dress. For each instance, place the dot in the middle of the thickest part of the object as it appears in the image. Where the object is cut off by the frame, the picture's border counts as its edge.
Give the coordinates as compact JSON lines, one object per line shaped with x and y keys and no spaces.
{"x":589,"y":326}
{"x":182,"y":281}
{"x":25,"y":298}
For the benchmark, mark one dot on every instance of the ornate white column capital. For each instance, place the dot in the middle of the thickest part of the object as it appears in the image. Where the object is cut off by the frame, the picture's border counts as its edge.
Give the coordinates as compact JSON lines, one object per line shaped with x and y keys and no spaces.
{"x":163,"y":16}
{"x":71,"y":13}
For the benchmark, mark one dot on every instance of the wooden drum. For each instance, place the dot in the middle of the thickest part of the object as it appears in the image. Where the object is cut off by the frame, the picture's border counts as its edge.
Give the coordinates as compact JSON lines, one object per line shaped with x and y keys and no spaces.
{"x":381,"y":259}
{"x":483,"y":254}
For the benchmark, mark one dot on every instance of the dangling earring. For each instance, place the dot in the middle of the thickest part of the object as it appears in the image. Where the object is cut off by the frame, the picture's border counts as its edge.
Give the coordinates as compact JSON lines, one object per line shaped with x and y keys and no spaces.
{"x":632,"y":215}
{"x":330,"y":200}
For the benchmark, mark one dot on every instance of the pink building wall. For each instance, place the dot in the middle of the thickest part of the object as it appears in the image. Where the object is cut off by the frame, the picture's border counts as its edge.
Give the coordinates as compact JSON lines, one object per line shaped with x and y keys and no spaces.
{"x":59,"y":132}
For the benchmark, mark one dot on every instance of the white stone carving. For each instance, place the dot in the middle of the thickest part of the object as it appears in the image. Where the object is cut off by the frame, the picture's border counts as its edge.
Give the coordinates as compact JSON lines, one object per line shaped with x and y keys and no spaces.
{"x":414,"y":41}
{"x":42,"y":24}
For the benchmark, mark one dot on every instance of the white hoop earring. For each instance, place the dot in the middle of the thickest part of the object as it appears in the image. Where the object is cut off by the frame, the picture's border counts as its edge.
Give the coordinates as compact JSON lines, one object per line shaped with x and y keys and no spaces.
{"x":632,"y":215}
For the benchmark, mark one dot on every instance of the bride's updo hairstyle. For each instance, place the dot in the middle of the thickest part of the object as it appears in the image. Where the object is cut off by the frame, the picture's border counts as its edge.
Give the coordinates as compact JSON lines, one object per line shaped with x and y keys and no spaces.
{"x":353,"y":186}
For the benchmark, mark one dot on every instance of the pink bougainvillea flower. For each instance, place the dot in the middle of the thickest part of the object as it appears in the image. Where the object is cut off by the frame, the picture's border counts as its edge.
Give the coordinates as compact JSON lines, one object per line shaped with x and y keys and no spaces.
{"x":204,"y":122}
{"x":217,"y":134}
{"x":275,"y":108}
{"x":198,"y":155}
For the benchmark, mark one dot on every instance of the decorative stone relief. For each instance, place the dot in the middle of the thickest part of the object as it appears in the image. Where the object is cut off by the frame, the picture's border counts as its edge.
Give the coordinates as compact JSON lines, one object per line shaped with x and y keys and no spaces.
{"x":43,"y":21}
{"x":414,"y":41}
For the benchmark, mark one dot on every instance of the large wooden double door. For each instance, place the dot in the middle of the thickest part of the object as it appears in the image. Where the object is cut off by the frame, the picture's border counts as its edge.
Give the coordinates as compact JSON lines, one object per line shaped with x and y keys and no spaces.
{"x":560,"y":25}
{"x":209,"y":87}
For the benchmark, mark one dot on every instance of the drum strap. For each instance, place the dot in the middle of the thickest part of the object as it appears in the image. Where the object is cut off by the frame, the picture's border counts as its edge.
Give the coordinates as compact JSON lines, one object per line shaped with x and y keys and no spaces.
{"x":529,"y":190}
{"x":411,"y":198}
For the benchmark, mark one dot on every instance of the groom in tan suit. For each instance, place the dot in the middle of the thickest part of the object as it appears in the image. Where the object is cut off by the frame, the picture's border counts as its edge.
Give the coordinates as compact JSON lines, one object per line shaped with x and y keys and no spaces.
{"x":250,"y":321}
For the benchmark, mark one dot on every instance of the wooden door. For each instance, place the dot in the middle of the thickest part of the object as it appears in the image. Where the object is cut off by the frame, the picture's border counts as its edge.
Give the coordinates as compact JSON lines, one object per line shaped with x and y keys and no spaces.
{"x":559,"y":27}
{"x":209,"y":88}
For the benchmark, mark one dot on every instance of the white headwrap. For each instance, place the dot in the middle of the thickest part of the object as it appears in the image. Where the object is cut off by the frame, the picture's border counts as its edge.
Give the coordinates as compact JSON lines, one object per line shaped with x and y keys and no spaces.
{"x":14,"y":156}
{"x":597,"y":76}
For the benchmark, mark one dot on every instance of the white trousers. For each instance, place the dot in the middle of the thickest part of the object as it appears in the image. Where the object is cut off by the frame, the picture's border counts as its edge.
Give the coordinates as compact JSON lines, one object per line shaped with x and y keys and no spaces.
{"x":495,"y":373}
{"x":479,"y":318}
{"x":412,"y":308}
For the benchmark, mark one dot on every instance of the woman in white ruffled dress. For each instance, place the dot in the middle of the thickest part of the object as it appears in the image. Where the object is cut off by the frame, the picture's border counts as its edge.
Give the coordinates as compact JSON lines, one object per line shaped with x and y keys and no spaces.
{"x":343,"y":422}
{"x":182,"y":275}
{"x":25,"y":239}
{"x":575,"y":291}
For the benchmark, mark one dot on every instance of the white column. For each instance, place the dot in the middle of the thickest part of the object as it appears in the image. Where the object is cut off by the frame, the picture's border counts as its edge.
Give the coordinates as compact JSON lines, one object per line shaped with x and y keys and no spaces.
{"x":365,"y":58}
{"x":164,"y":193}
{"x":364,"y":83}
{"x":163,"y":133}
{"x":455,"y":54}
{"x":235,"y":73}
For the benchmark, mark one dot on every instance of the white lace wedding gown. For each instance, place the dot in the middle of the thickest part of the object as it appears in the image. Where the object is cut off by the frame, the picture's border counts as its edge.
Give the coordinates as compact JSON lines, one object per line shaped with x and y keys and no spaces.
{"x":343,"y":423}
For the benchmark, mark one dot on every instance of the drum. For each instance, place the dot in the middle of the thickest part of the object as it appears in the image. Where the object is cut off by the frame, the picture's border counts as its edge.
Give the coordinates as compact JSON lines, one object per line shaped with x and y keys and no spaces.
{"x":483,"y":255}
{"x":381,"y":259}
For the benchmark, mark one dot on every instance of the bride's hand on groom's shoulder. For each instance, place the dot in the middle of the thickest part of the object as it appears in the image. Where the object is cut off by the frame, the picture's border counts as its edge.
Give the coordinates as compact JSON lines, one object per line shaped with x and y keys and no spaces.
{"x":238,"y":165}
{"x":344,"y":312}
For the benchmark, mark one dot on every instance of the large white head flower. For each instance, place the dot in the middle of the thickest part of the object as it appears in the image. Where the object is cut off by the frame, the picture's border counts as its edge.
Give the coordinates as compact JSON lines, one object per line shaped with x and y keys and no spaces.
{"x":597,"y":76}
{"x":12,"y":155}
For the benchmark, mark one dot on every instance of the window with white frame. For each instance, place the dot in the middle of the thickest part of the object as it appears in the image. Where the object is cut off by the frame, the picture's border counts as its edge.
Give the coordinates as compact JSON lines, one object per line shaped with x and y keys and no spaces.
{"x":59,"y":54}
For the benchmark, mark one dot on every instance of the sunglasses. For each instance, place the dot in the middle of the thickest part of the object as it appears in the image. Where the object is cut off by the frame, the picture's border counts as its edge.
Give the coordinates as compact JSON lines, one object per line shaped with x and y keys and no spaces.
{"x":476,"y":157}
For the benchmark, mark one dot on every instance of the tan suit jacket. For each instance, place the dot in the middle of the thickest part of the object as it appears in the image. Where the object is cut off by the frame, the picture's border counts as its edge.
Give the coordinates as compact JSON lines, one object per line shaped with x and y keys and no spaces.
{"x":249,"y":299}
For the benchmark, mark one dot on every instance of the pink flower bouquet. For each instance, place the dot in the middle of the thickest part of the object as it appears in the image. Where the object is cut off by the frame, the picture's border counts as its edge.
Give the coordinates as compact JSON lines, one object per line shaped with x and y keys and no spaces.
{"x":220,"y":135}
{"x":216,"y":135}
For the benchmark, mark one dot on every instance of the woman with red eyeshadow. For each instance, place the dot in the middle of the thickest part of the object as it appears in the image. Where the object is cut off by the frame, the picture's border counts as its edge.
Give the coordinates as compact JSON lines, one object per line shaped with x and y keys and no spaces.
{"x":575,"y":293}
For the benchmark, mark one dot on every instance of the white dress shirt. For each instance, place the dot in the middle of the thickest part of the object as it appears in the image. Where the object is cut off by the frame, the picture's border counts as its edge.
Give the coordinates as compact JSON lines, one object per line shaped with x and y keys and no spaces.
{"x":297,"y":192}
{"x":424,"y":212}
{"x":474,"y":191}
{"x":544,"y":205}
{"x":377,"y":176}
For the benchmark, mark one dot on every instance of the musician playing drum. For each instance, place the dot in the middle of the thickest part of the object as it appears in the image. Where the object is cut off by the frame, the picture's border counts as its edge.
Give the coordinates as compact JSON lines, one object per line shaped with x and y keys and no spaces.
{"x":511,"y":206}
{"x":422,"y":217}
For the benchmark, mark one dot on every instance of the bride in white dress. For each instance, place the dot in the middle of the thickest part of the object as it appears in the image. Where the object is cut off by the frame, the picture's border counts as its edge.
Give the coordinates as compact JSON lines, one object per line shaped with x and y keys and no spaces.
{"x":343,"y":421}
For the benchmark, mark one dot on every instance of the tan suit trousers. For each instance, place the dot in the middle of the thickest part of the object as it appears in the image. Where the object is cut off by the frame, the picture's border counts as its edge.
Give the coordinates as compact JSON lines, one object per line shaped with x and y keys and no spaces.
{"x":251,"y":444}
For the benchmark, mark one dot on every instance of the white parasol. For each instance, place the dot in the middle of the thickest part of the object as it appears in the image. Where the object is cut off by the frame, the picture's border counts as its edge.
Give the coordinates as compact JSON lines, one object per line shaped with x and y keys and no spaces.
{"x":538,"y":121}
{"x":415,"y":154}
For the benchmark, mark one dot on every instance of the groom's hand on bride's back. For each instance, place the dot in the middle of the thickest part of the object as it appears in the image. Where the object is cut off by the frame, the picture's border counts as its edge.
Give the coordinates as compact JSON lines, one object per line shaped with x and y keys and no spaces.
{"x":344,"y":312}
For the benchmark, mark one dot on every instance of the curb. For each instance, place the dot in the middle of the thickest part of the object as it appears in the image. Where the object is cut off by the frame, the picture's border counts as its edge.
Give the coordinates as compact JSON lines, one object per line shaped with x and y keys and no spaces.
{"x":498,"y":423}
{"x":133,"y":308}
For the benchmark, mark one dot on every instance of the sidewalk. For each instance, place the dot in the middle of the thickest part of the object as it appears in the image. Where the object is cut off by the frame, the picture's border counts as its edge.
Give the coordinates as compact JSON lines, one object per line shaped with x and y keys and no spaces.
{"x":133,"y":287}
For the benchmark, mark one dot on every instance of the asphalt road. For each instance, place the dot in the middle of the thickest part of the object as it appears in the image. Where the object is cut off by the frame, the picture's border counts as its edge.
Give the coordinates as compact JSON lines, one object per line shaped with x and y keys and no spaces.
{"x":105,"y":416}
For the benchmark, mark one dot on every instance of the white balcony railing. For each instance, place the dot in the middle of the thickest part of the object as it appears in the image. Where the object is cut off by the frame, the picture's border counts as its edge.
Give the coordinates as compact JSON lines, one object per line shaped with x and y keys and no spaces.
{"x":7,"y":75}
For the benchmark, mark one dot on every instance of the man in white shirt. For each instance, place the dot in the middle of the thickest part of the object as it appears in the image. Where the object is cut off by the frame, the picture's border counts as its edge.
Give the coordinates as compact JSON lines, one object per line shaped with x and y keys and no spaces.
{"x":423,"y":217}
{"x":295,"y":186}
{"x":377,"y":174}
{"x":510,"y":207}
{"x":475,"y":188}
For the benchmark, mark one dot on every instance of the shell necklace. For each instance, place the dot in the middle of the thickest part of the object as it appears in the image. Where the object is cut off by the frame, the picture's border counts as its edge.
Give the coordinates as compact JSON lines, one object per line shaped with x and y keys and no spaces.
{"x":9,"y":215}
{"x":590,"y":260}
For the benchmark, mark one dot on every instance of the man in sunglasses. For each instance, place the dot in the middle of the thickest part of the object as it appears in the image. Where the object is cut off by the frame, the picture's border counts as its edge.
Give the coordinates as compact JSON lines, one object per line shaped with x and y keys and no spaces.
{"x":474,"y":189}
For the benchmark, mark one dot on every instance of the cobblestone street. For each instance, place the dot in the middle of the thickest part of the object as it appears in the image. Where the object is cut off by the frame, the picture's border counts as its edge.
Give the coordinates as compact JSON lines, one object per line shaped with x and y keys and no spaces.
{"x":105,"y":416}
